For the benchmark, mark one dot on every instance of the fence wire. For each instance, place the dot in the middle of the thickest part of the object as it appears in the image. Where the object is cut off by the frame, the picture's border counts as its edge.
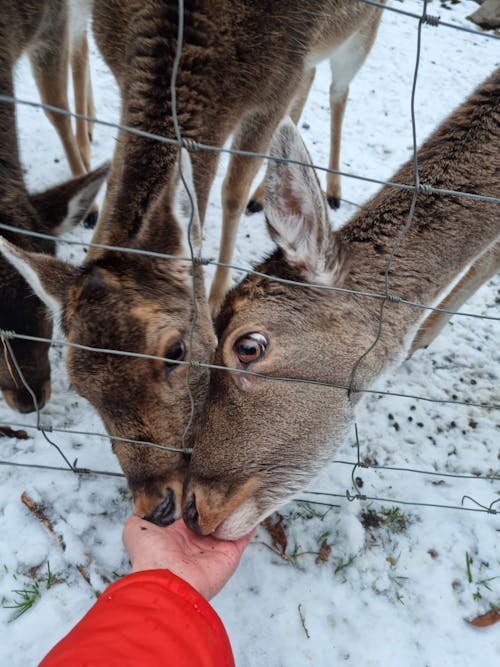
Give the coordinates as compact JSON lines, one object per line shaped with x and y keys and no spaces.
{"x":418,"y":189}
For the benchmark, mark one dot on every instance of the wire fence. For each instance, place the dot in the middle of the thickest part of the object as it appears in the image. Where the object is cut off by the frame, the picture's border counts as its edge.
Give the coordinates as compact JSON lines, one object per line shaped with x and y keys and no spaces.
{"x":386,"y":298}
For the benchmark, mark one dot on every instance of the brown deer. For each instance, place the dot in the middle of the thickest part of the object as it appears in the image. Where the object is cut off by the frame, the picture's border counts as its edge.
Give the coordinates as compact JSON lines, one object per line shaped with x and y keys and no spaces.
{"x":241,"y":65}
{"x":141,"y":304}
{"x":42,"y":29}
{"x":345,"y":63}
{"x":260,"y":440}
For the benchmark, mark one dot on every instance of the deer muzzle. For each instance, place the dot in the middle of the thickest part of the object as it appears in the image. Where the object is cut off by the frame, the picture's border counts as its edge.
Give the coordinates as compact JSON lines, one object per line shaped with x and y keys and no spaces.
{"x":22,"y":400}
{"x":228,"y":515}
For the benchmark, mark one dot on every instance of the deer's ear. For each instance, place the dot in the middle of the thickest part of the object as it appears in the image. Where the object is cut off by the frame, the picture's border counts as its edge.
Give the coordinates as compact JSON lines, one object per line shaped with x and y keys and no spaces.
{"x":295,"y":209}
{"x":62,"y":207}
{"x":48,"y":277}
{"x":173,"y":221}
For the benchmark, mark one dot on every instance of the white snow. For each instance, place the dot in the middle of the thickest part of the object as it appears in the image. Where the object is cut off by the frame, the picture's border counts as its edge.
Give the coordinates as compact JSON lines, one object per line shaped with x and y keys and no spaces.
{"x":359,"y":608}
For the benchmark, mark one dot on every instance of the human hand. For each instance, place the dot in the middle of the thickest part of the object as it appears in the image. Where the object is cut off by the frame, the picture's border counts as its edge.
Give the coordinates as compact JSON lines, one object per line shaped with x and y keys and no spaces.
{"x":203,"y":561}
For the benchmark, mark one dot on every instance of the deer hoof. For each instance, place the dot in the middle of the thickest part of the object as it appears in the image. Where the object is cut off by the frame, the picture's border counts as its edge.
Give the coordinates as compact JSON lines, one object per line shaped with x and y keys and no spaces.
{"x":333,"y":202}
{"x":253,"y":206}
{"x":90,"y":220}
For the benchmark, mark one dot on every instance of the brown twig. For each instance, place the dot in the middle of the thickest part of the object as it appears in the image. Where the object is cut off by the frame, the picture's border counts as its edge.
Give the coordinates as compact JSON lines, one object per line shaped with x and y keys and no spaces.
{"x":40,"y":512}
{"x":303,"y":621}
{"x":276,"y":551}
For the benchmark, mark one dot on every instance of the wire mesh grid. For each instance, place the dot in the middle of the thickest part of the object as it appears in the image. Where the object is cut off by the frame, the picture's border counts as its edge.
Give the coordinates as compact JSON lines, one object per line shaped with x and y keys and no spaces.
{"x":418,"y":189}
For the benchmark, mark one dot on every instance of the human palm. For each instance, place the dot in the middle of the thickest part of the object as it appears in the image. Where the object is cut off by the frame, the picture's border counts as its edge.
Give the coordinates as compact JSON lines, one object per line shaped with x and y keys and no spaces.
{"x":203,"y":561}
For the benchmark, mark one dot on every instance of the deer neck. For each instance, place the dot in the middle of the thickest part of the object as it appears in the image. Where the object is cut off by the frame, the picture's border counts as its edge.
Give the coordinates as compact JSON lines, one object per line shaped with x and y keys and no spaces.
{"x":446,"y":233}
{"x":15,"y":208}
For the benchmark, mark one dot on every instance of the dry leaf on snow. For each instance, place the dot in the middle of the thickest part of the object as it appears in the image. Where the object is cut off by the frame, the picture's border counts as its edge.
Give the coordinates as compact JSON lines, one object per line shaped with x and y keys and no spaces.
{"x":491,"y":616}
{"x":276,"y":532}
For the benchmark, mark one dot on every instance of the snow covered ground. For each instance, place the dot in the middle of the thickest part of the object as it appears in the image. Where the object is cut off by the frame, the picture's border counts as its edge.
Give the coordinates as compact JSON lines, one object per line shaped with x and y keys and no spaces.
{"x":400,"y":580}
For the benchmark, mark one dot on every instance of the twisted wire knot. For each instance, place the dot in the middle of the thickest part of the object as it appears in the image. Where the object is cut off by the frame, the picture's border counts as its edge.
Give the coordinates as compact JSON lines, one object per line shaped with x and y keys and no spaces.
{"x":201,"y":260}
{"x":357,"y":496}
{"x":4,"y":333}
{"x":81,"y":471}
{"x":353,"y":389}
{"x":393,"y":298}
{"x":45,"y":427}
{"x":424,"y":189}
{"x":190,"y":144}
{"x":431,"y":20}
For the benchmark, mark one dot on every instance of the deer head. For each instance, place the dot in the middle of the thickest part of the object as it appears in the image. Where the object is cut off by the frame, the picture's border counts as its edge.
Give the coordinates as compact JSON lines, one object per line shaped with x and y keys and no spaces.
{"x":49,"y":212}
{"x":137,"y":303}
{"x":261,"y":439}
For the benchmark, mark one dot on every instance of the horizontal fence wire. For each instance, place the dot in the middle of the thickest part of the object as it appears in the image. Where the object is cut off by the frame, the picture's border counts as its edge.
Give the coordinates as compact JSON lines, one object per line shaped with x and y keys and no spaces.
{"x":86,"y":472}
{"x":417,"y":189}
{"x":490,"y":509}
{"x":367,"y":466}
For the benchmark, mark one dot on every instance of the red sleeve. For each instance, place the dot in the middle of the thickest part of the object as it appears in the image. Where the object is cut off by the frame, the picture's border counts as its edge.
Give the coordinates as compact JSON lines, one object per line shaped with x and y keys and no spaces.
{"x":146,"y":618}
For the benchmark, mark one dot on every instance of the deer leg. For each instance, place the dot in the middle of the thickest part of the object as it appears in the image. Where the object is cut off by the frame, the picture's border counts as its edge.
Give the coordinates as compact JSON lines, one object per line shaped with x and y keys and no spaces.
{"x":50,"y":69}
{"x":80,"y":69}
{"x":337,"y":107}
{"x":484,"y":268}
{"x":256,"y":201}
{"x":345,"y":63}
{"x":82,"y":89}
{"x":254,"y":135}
{"x":90,"y":104}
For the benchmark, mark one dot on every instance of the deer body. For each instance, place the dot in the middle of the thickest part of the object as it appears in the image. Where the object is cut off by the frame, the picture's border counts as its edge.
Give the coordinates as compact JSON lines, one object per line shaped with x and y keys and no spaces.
{"x":39,"y":28}
{"x":262,"y":440}
{"x":240,"y":67}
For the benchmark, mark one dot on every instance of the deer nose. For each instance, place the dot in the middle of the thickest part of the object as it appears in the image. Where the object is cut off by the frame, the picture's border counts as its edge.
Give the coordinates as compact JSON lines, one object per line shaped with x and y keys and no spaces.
{"x":164,"y":513}
{"x":24,"y":403}
{"x":191,"y":516}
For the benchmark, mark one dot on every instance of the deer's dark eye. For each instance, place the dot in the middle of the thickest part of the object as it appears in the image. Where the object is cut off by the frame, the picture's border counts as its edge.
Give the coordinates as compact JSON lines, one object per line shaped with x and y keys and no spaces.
{"x":176,"y":352}
{"x":251,"y":347}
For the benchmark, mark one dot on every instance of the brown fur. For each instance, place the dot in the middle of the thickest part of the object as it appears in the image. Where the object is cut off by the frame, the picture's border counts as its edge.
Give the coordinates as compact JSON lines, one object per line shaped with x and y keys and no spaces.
{"x":281,"y":433}
{"x":240,"y":67}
